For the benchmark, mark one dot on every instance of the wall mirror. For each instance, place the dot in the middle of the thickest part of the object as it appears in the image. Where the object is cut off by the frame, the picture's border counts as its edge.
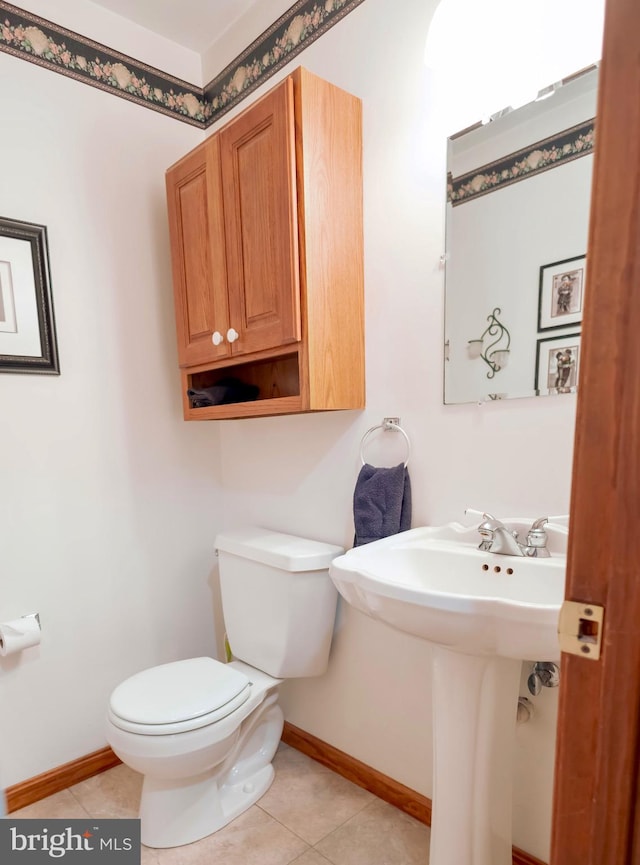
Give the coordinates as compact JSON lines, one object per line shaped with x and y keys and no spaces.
{"x":518,"y":197}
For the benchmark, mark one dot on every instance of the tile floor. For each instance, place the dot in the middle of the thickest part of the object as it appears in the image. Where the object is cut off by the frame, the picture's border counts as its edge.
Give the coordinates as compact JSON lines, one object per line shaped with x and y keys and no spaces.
{"x":309,"y":816}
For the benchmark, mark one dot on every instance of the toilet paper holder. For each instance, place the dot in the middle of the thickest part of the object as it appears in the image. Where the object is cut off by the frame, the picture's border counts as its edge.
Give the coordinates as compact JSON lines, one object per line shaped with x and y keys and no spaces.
{"x":30,"y":636}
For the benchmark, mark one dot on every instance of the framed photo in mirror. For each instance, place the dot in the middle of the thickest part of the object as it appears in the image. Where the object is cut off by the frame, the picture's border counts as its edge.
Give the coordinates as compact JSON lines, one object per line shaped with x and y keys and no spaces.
{"x":561,"y":293}
{"x":557,"y":364}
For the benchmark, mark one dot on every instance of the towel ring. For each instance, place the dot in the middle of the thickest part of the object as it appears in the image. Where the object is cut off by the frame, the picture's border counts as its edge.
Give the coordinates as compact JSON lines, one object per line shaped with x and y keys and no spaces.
{"x":387,"y":424}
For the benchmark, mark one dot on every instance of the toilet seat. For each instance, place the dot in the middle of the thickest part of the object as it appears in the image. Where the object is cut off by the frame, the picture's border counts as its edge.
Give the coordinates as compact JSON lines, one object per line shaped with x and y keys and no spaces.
{"x":178,"y":697}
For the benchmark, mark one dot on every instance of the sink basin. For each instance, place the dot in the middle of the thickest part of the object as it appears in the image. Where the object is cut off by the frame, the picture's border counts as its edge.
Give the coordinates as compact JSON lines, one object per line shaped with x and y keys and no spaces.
{"x":483,"y":614}
{"x":435,"y":583}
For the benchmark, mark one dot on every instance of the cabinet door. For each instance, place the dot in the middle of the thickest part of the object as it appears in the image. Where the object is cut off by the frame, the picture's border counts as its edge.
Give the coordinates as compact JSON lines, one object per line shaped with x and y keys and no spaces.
{"x":259,"y":190}
{"x":196,"y":227}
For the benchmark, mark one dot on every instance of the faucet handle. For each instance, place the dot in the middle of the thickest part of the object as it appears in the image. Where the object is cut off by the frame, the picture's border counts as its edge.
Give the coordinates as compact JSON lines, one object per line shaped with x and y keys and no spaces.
{"x":539,"y":523}
{"x":537,"y":537}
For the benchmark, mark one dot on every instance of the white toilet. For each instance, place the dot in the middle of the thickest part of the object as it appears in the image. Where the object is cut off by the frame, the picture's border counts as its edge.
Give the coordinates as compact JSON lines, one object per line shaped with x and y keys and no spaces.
{"x":204,"y":733}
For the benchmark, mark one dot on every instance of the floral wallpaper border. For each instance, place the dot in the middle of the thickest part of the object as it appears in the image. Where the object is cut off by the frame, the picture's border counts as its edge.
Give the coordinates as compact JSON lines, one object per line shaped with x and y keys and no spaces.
{"x":42,"y":42}
{"x":50,"y":46}
{"x":543,"y":155}
{"x":300,"y":25}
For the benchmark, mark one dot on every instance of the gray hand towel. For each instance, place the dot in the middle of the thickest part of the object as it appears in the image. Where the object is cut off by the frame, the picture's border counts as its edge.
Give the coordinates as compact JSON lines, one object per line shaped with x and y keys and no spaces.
{"x":381,"y":503}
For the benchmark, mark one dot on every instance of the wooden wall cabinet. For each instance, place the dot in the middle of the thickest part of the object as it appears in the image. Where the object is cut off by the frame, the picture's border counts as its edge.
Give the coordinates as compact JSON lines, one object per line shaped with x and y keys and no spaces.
{"x":265,"y":222}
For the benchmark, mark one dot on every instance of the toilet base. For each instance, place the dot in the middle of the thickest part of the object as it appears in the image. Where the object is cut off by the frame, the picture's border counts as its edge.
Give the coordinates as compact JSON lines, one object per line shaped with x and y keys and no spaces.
{"x":172,"y":816}
{"x":177,"y":812}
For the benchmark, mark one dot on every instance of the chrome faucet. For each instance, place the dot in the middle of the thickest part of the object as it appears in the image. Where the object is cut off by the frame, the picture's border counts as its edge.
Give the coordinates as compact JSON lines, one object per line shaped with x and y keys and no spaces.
{"x":498,"y":538}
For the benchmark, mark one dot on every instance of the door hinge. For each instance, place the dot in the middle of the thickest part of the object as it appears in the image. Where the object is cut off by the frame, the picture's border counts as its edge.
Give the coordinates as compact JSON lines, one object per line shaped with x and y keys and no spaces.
{"x":580,"y":629}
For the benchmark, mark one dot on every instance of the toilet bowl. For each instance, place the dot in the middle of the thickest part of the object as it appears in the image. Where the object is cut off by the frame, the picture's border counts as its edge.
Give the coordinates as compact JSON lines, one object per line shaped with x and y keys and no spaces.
{"x":199,"y":772}
{"x":203,"y":733}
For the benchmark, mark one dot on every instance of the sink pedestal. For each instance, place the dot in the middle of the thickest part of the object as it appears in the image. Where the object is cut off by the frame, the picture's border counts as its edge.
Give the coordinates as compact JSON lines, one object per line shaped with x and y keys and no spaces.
{"x":475,"y":701}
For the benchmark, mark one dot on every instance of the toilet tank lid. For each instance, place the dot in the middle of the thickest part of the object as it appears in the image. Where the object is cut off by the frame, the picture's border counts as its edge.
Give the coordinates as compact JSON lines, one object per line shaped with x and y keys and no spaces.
{"x":287,"y":552}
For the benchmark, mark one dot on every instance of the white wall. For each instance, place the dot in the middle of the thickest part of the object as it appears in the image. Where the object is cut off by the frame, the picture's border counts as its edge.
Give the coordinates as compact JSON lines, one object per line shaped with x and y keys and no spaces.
{"x":109,"y":502}
{"x":297,"y":473}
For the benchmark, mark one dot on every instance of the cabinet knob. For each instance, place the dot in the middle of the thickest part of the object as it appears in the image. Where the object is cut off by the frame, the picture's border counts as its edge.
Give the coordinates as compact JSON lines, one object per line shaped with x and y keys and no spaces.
{"x":232,"y":335}
{"x":217,"y":337}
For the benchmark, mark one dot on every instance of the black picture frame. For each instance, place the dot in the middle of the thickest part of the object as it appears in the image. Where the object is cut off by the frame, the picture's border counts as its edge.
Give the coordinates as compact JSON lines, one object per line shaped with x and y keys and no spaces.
{"x":561,"y":293}
{"x":548,"y":377}
{"x":28,"y":342}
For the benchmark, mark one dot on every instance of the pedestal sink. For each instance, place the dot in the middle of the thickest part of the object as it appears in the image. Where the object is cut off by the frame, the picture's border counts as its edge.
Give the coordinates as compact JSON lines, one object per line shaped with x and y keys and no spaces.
{"x":484,"y":614}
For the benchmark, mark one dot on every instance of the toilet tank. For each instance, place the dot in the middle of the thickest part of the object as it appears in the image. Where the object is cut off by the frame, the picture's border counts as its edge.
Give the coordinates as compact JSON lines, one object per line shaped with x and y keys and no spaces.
{"x":278,"y":601}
